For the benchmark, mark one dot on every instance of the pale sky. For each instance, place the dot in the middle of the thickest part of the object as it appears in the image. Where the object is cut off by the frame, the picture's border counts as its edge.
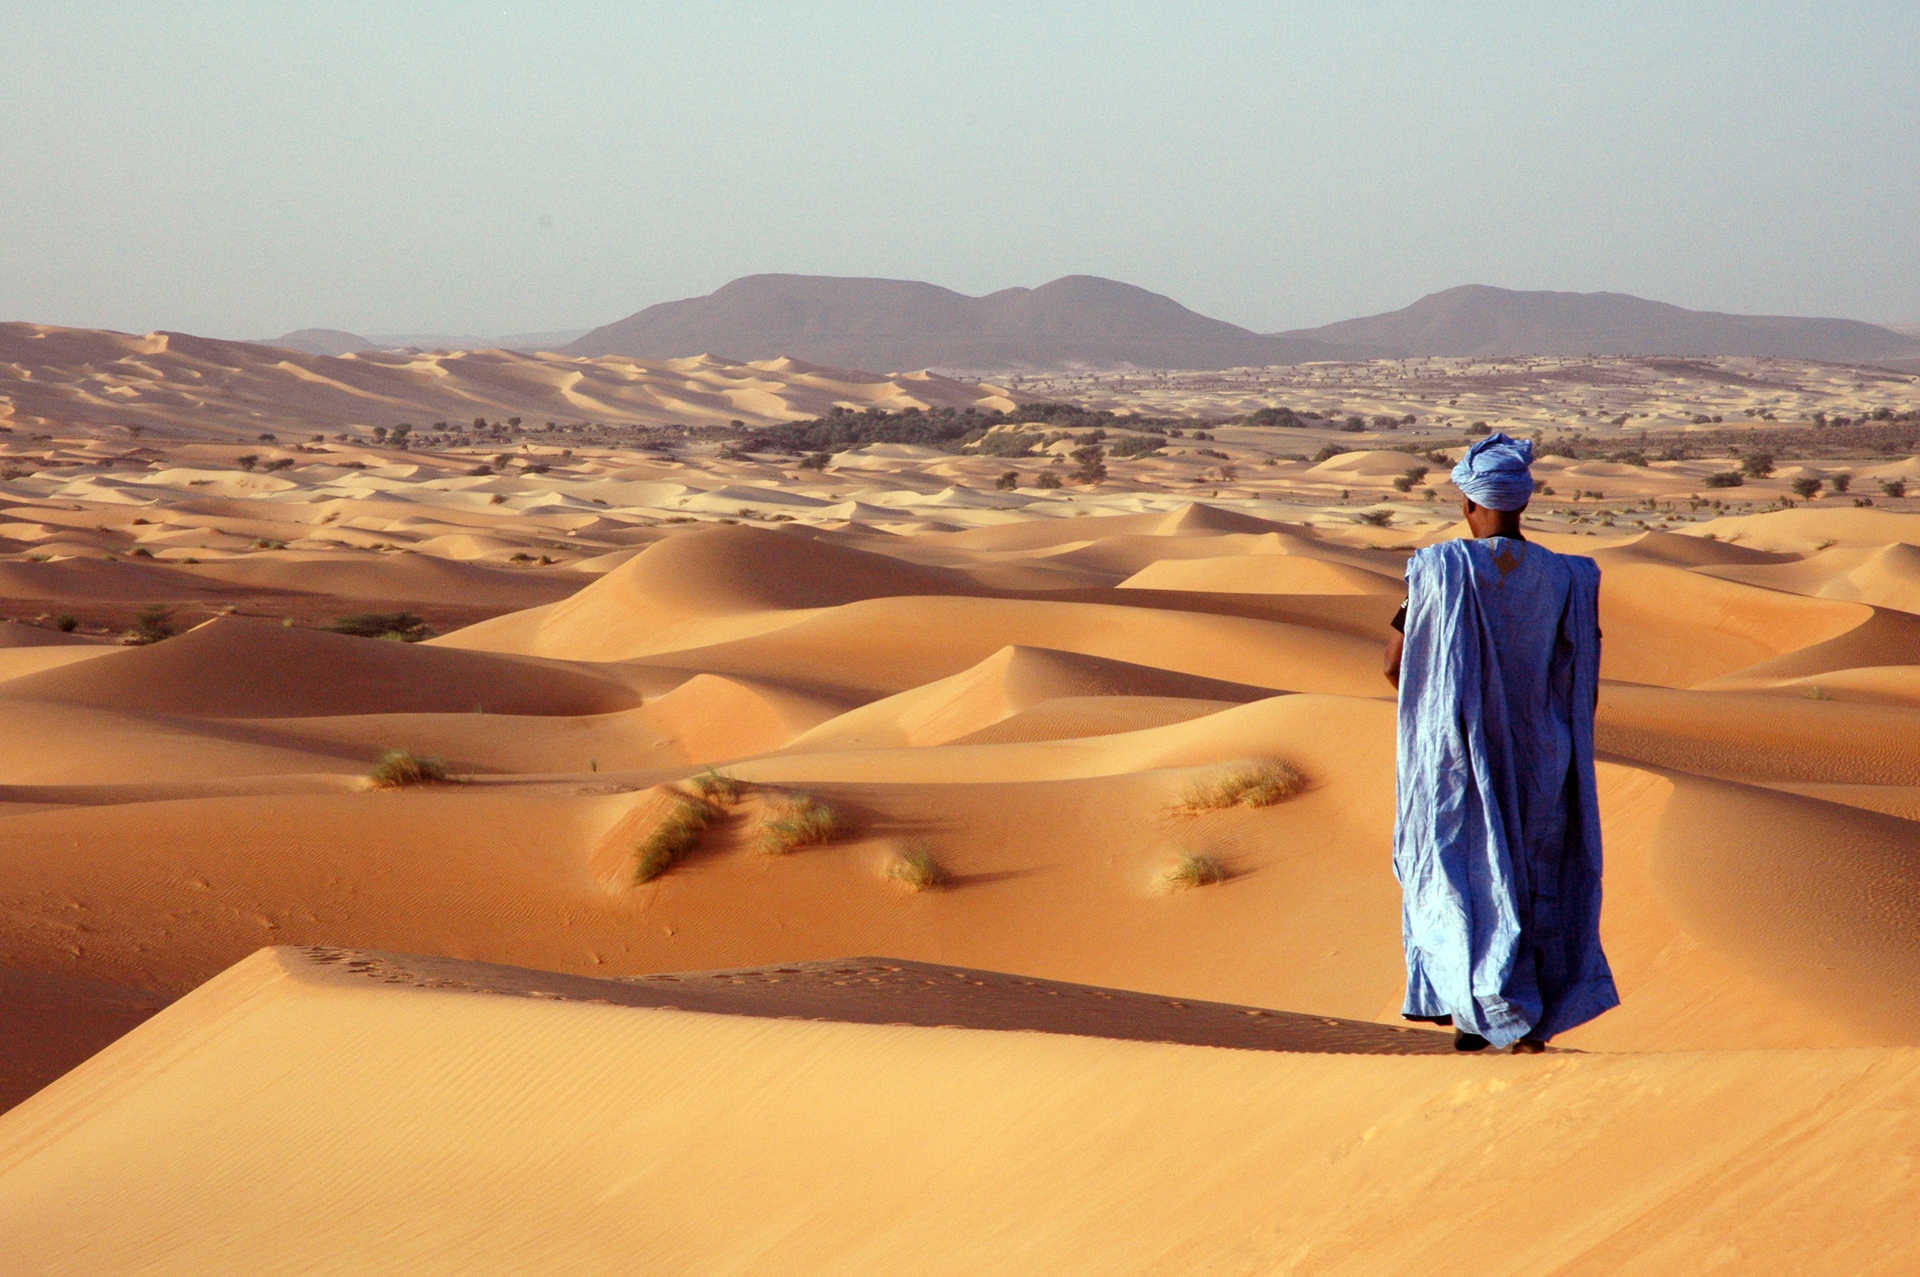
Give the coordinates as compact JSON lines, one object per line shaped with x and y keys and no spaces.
{"x":241,"y":169}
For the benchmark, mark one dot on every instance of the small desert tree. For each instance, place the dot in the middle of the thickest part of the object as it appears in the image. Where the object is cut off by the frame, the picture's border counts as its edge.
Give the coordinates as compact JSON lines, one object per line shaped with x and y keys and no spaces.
{"x":1089,"y":463}
{"x":1806,"y":487}
{"x":153,"y":624}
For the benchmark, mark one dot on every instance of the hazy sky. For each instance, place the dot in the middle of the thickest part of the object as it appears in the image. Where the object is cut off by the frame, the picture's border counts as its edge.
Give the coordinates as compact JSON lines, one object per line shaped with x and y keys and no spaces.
{"x":240,"y":169}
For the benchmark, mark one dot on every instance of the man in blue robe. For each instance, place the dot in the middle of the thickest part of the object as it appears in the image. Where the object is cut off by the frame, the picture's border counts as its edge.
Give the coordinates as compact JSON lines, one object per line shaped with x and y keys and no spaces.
{"x":1497,"y":838}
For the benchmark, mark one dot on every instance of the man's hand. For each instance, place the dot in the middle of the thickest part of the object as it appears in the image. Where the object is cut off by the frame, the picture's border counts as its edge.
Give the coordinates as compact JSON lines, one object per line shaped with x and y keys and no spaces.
{"x":1395,"y":645}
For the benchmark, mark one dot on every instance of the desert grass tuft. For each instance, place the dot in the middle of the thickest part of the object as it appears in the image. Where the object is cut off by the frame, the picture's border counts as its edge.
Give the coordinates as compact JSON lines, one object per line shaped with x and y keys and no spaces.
{"x":398,"y":768}
{"x":1194,"y":870}
{"x":718,"y":787}
{"x":915,"y":868}
{"x":1260,"y":784}
{"x":801,"y":821}
{"x":676,"y":835}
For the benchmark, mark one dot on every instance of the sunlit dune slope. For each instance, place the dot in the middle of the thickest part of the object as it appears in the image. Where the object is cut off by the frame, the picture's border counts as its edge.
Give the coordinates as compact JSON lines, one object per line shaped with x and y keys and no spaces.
{"x":1011,"y":681}
{"x":333,"y":1111}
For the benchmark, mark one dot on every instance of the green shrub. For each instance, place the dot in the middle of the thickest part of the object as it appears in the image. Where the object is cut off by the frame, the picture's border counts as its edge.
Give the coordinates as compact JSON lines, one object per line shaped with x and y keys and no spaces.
{"x":1259,"y":784}
{"x":801,"y":821}
{"x":153,"y":624}
{"x":673,"y":838}
{"x":398,"y":769}
{"x":1137,"y":445}
{"x":718,"y":787}
{"x":396,"y":625}
{"x":916,"y":869}
{"x":1194,"y":870}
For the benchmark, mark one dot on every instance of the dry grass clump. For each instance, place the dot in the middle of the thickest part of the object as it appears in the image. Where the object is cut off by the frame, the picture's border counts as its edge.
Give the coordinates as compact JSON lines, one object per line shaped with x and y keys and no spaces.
{"x":677,"y":834}
{"x":398,"y":768}
{"x":1194,"y":870}
{"x":718,"y":787}
{"x":1259,"y":784}
{"x":916,"y":869}
{"x":799,"y":822}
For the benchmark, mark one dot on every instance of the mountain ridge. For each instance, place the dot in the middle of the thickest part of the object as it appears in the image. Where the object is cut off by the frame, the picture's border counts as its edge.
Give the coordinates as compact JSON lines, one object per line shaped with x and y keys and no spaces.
{"x":1089,"y":321}
{"x":892,"y":323}
{"x":1482,"y":320}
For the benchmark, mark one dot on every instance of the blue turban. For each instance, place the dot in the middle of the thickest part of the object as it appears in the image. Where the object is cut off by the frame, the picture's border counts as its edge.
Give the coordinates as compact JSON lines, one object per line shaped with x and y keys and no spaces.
{"x":1496,"y":472}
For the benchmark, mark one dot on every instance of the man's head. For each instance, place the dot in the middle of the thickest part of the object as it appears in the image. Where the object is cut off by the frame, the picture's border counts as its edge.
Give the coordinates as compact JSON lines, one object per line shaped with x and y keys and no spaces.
{"x":1495,"y":479}
{"x":1485,"y":522}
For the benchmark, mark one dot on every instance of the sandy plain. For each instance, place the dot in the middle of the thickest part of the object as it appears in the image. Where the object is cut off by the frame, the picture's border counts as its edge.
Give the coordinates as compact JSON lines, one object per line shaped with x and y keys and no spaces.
{"x":1061,"y":1061}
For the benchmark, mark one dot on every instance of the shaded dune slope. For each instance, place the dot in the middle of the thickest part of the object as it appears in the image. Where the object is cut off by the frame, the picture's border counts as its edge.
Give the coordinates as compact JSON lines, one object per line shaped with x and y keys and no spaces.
{"x":235,"y":667}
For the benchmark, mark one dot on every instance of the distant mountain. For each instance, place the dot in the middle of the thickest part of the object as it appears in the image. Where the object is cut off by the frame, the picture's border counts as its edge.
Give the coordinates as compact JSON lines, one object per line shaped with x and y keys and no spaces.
{"x":320,"y":341}
{"x":1086,"y":321}
{"x":1482,"y":321}
{"x":903,"y":324}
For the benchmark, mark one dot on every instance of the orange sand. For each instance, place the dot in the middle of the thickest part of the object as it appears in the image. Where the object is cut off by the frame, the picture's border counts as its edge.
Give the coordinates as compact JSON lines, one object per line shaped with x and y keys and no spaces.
{"x":1021,"y":685}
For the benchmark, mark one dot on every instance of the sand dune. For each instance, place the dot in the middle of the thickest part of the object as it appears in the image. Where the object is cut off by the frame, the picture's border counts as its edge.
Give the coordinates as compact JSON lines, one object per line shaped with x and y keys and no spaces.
{"x":1268,"y":574}
{"x":1023,"y":686}
{"x":1012,"y":681}
{"x":236,"y":667}
{"x":98,"y":378}
{"x":608,"y":1130}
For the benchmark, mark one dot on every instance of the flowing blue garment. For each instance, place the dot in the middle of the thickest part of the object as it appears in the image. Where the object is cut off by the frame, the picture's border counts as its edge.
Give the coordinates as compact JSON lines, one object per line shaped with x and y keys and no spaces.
{"x":1497,"y":838}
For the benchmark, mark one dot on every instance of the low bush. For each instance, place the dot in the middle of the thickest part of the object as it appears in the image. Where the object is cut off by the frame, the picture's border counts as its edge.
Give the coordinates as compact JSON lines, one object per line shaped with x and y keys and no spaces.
{"x":916,"y":869}
{"x":801,"y":821}
{"x":673,"y":838}
{"x":153,"y":624}
{"x":398,"y":769}
{"x":718,"y":787}
{"x":404,"y":626}
{"x":1258,"y":784}
{"x":1194,"y":870}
